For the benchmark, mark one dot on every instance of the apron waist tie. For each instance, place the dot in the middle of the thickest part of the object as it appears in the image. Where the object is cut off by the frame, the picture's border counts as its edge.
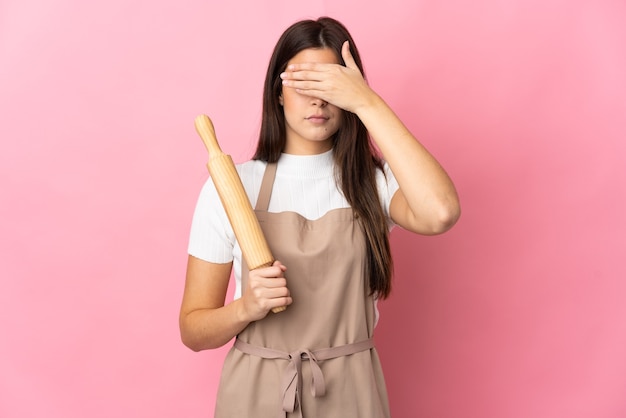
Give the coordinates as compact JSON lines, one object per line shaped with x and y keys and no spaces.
{"x":291,"y":386}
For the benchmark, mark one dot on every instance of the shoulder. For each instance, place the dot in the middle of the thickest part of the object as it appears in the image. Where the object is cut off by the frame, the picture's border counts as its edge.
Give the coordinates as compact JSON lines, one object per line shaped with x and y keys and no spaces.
{"x":250,"y":167}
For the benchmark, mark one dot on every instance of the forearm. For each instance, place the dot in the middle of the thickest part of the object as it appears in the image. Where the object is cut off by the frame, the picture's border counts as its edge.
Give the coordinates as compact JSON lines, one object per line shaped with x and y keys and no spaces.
{"x":205,"y":322}
{"x":204,"y":329}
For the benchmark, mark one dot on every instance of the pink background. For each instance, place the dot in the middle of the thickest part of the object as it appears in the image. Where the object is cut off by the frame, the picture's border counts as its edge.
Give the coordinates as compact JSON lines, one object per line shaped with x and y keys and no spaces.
{"x":518,"y":312}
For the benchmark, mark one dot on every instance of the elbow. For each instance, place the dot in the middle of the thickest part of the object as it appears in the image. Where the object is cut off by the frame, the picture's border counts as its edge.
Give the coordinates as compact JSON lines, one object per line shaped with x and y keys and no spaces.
{"x":198,"y":341}
{"x":190,"y":338}
{"x":450,"y":218}
{"x":192,"y":346}
{"x":190,"y":342}
{"x":433,"y":219}
{"x":196,"y":345}
{"x":446,"y":218}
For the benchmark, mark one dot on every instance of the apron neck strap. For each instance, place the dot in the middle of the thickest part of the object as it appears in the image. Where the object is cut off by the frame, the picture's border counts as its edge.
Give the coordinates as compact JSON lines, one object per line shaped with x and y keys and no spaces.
{"x":263,"y":201}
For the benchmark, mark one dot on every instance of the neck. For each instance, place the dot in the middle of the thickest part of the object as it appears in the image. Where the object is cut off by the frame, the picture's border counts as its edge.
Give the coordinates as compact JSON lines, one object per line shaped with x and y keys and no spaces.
{"x":308,"y":147}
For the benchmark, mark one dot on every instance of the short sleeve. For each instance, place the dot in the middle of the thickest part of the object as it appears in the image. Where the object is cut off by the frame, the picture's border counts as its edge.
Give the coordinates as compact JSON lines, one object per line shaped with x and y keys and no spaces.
{"x":387,"y":186}
{"x":211,"y":238}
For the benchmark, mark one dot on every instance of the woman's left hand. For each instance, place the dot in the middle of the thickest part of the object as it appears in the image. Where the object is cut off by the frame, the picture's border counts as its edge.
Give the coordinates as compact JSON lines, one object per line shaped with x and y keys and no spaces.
{"x":340,"y":86}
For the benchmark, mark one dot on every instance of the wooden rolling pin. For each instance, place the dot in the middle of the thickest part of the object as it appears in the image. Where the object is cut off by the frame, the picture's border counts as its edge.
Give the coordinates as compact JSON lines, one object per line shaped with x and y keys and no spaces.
{"x":244,"y":222}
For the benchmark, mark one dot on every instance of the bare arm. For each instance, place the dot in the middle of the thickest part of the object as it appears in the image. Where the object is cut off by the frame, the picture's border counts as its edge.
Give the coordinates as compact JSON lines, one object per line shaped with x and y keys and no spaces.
{"x":427,"y":202}
{"x":206,"y":322}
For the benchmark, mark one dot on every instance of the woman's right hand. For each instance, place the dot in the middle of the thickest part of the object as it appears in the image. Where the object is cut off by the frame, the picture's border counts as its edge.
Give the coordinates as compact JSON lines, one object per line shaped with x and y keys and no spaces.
{"x":266,"y":289}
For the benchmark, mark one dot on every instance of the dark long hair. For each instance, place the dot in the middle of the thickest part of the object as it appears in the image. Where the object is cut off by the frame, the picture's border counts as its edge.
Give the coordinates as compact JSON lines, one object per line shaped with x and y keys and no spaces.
{"x":356,"y":159}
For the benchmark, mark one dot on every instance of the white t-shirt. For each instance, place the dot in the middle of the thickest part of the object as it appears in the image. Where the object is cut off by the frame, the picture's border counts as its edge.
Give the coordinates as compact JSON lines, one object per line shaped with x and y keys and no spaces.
{"x":304,"y":184}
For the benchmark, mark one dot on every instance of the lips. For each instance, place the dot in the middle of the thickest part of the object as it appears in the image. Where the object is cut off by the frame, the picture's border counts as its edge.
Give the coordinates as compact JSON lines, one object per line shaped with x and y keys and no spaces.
{"x":317,"y":118}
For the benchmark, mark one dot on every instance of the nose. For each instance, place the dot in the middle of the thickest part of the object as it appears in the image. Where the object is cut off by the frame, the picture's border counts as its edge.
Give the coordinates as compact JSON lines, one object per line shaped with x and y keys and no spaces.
{"x":319,"y":102}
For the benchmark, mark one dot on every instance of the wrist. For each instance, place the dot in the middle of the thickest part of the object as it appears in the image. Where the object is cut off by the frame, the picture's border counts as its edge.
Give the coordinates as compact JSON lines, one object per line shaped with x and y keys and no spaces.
{"x":369,"y":104}
{"x":241,"y":313}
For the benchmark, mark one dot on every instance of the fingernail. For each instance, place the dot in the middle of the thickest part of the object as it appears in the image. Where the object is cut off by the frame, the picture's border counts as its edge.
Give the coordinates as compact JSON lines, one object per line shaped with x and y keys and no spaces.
{"x":283,"y":75}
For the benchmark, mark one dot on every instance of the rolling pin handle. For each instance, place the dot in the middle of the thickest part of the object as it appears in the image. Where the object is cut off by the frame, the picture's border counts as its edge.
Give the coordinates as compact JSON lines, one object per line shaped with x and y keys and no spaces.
{"x":205,"y":129}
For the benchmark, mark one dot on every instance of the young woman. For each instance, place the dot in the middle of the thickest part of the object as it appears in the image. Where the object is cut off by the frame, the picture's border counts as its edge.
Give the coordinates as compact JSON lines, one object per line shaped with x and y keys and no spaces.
{"x":326,"y":202}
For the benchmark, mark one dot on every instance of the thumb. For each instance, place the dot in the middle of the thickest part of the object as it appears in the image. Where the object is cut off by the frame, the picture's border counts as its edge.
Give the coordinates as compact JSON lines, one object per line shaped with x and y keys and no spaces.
{"x":347,"y":56}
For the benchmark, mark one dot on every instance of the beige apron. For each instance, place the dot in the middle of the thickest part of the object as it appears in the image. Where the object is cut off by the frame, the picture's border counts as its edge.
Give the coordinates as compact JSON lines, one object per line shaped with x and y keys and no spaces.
{"x":316,"y":359}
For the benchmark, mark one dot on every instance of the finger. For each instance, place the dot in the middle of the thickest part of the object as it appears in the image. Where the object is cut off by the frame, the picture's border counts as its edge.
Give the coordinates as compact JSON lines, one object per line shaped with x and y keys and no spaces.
{"x":267,"y":272}
{"x":268,"y":293}
{"x":308,"y":88}
{"x":279,"y":265}
{"x":272,"y":283}
{"x":279,"y":302}
{"x":309,"y":66}
{"x":309,"y":75}
{"x":347,"y":56}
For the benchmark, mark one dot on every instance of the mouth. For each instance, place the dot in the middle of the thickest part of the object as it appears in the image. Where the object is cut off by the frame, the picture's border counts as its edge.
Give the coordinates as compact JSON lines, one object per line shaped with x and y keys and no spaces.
{"x":317,"y":118}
